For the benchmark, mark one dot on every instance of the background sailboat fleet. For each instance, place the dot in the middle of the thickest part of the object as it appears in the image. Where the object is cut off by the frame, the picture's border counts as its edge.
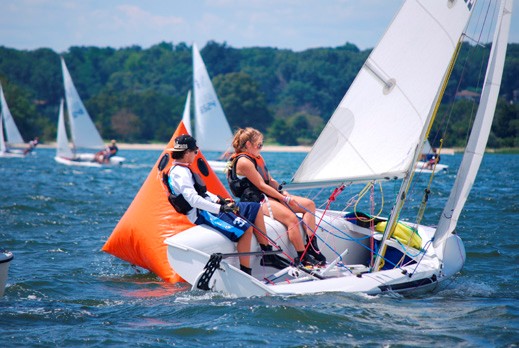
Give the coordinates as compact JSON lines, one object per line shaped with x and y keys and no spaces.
{"x":397,"y":119}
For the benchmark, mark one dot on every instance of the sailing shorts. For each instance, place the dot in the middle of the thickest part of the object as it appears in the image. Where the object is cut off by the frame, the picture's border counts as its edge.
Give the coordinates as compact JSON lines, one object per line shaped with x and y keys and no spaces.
{"x":231,"y":225}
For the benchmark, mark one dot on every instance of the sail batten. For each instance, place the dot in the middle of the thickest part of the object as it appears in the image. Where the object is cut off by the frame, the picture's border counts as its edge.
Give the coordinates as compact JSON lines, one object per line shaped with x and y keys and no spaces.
{"x":388,"y":103}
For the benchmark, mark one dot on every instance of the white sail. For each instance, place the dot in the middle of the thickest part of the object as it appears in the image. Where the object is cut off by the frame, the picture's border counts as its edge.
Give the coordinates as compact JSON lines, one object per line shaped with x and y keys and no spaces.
{"x":480,"y":130}
{"x":62,"y":145}
{"x":84,"y":133}
{"x":3,"y":147}
{"x":12,"y":134}
{"x":389,"y":102}
{"x":427,"y":148}
{"x":186,"y":116}
{"x":212,"y":130}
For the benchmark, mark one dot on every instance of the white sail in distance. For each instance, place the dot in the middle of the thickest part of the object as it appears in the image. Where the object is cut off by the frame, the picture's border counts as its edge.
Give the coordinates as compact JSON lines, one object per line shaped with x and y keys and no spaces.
{"x":12,"y":134}
{"x":186,"y":116}
{"x":480,"y":130}
{"x":83,"y":131}
{"x":212,"y":130}
{"x":62,"y":145}
{"x":375,"y":130}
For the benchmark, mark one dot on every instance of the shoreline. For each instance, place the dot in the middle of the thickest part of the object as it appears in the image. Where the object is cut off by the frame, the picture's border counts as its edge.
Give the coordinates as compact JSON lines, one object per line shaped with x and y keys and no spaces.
{"x":266,"y":148}
{"x":161,"y":146}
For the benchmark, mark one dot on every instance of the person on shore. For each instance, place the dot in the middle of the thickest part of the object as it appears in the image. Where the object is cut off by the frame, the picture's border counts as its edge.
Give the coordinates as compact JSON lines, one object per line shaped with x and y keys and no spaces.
{"x":189,"y":196}
{"x":32,"y":145}
{"x":249,"y":180}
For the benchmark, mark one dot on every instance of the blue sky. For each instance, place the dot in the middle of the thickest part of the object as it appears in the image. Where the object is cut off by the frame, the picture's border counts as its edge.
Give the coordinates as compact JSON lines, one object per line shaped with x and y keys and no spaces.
{"x":292,"y":24}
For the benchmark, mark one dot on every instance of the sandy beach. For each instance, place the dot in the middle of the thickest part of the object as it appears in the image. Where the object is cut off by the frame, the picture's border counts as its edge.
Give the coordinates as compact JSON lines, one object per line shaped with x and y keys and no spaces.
{"x":266,"y":148}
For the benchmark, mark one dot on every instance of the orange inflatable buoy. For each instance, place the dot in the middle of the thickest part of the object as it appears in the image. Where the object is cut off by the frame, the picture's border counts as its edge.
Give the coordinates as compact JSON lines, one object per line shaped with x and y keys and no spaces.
{"x":139,"y":236}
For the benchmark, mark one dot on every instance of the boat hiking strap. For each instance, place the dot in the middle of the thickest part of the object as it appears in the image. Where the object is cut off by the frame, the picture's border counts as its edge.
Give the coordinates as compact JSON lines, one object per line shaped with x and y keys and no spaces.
{"x":214,"y":263}
{"x":209,"y":269}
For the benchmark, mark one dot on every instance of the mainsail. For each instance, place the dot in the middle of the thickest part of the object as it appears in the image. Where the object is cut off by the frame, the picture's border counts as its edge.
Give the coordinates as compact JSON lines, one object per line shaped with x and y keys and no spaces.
{"x":12,"y":134}
{"x":84,"y":133}
{"x":62,"y":146}
{"x":389,"y":102}
{"x":213,"y":132}
{"x":481,"y":128}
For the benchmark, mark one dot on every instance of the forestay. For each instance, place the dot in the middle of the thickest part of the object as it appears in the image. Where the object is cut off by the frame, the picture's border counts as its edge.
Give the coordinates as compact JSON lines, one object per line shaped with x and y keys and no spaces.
{"x":84,"y":133}
{"x":375,"y":130}
{"x":62,"y":146}
{"x":481,"y":128}
{"x":213,"y":132}
{"x":12,"y":134}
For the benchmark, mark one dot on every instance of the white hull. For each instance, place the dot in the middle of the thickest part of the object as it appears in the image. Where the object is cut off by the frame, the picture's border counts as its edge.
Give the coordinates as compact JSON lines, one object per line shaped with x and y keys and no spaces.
{"x":5,"y":259}
{"x":87,"y":160}
{"x":11,"y":155}
{"x":218,"y":166}
{"x":189,"y":252}
{"x":421,"y":167}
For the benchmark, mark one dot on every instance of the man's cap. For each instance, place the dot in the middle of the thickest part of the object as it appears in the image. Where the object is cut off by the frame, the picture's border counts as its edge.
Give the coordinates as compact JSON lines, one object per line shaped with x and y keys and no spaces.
{"x":183,"y":143}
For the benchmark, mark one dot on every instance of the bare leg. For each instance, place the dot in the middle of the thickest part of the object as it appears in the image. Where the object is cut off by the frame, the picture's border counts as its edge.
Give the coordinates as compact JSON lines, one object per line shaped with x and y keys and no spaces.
{"x":290,"y":220}
{"x":244,"y":247}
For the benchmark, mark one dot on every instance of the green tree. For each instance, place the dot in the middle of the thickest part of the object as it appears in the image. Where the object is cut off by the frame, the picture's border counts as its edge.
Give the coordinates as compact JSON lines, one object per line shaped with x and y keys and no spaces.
{"x":243,"y":104}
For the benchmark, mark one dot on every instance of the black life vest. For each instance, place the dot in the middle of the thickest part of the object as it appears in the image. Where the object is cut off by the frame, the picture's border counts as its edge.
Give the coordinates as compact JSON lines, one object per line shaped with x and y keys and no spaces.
{"x":178,"y":202}
{"x":243,"y":188}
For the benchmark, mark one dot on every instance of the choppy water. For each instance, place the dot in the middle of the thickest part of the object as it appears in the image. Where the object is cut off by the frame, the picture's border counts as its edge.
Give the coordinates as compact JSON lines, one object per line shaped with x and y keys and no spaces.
{"x":63,"y":291}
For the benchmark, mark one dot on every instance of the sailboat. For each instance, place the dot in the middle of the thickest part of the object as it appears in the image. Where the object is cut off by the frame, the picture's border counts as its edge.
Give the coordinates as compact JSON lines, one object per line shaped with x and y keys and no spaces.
{"x":83,"y":131}
{"x":427,"y":163}
{"x":5,"y":259}
{"x":382,"y":109}
{"x":212,"y":130}
{"x":12,"y":134}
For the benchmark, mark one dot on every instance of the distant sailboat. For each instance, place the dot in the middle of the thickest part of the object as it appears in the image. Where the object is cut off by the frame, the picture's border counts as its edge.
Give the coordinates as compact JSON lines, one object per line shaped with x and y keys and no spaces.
{"x":426,"y":164}
{"x":83,"y":131}
{"x":212,"y":130}
{"x":12,"y":134}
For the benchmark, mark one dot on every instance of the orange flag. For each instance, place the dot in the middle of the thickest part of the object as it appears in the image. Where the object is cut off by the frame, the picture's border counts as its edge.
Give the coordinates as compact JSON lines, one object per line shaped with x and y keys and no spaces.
{"x":139,"y":236}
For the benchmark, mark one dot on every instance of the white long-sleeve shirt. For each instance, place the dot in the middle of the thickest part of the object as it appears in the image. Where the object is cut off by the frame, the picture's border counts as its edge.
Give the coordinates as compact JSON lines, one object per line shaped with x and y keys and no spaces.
{"x":181,"y":183}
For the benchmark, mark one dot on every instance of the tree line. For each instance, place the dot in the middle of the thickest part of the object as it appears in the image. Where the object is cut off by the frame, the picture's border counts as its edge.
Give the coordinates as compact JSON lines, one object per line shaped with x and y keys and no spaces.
{"x":137,"y":95}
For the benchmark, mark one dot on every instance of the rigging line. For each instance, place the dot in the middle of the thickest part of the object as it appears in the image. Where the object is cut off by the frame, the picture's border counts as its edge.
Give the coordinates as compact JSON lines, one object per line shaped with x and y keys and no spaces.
{"x":332,"y":198}
{"x":463,"y":71}
{"x":264,"y":234}
{"x":427,"y":190}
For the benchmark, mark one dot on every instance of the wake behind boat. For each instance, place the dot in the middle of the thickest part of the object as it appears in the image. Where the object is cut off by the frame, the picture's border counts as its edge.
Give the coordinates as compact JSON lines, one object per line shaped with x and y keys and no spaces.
{"x":83,"y":131}
{"x":371,"y":254}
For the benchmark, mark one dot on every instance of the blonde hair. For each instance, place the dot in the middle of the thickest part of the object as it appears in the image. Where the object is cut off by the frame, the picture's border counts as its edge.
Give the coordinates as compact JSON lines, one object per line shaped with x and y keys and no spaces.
{"x":242,"y":136}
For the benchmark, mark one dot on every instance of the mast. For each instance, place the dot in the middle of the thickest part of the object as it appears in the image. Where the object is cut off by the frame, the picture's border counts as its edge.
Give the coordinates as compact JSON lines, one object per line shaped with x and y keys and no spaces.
{"x":408,"y":179}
